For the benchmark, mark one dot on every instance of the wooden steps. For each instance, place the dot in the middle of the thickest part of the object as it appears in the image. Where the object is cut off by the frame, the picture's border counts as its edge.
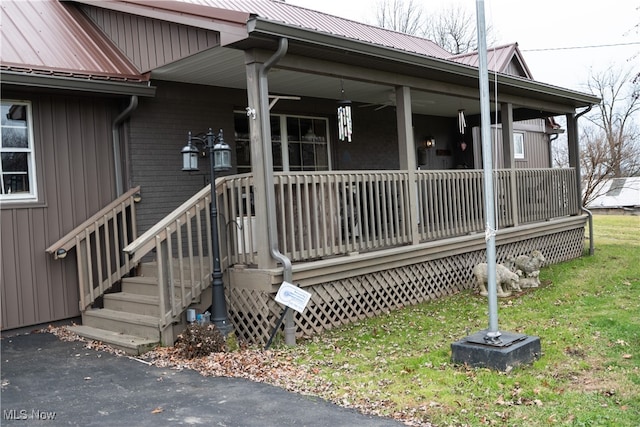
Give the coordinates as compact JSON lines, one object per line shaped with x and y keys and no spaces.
{"x":142,"y":285}
{"x":130,"y":344}
{"x":133,"y":303}
{"x":123,"y":322}
{"x":130,"y":319}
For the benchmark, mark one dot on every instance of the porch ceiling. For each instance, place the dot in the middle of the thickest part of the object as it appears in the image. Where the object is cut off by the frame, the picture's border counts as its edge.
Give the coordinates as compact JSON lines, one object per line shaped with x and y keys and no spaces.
{"x":225,"y":67}
{"x":439,"y":87}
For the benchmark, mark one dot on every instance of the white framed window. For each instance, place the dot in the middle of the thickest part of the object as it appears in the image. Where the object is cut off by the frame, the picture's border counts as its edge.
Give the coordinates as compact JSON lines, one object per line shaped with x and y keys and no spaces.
{"x":17,"y":155}
{"x":298,"y":143}
{"x":518,"y":145}
{"x":307,"y":144}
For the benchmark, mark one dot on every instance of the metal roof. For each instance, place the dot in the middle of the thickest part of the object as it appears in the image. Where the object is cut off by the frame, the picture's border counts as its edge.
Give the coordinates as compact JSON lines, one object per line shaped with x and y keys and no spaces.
{"x":498,"y":58}
{"x":54,"y":38}
{"x":280,"y":11}
{"x":47,"y":37}
{"x":617,"y":193}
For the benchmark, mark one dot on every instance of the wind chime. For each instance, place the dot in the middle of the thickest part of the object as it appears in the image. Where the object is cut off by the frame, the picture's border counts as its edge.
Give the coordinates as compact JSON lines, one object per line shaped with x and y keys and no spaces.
{"x":345,"y":127}
{"x":462,"y":124}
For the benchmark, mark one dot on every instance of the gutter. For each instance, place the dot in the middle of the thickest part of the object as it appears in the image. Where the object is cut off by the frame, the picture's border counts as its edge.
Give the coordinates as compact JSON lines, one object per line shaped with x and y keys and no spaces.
{"x":579,"y":177}
{"x":287,"y":273}
{"x":257,"y":27}
{"x":111,"y":87}
{"x":115,"y":139}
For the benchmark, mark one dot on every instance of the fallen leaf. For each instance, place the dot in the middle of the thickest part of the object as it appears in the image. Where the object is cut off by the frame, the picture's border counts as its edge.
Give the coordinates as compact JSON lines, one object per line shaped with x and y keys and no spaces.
{"x":157,"y":410}
{"x":626,"y":356}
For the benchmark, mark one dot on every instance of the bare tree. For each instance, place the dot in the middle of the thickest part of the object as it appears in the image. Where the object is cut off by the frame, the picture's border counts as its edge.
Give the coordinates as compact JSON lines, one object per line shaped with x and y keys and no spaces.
{"x":454,"y":29}
{"x":610,"y":146}
{"x":560,"y":152}
{"x":398,"y":15}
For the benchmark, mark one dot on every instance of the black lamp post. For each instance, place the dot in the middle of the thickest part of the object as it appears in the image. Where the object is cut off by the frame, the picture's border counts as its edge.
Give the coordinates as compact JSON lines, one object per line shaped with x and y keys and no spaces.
{"x":219,"y":160}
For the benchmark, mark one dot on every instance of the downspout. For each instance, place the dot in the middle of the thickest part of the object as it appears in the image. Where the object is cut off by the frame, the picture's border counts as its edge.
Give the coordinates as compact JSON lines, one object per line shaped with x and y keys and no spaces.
{"x":287,"y":272}
{"x":579,"y":177}
{"x":551,"y":139}
{"x":115,"y":131}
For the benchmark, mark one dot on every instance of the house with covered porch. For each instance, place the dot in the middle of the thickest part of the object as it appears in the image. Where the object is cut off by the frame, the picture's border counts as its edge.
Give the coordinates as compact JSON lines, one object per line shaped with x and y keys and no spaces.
{"x":369,"y":208}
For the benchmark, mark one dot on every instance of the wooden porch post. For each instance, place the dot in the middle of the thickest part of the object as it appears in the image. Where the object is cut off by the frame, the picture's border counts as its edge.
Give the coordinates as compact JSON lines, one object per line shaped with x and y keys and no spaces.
{"x":264,"y":258}
{"x":507,"y":154}
{"x":407,"y":150}
{"x":506,"y":110}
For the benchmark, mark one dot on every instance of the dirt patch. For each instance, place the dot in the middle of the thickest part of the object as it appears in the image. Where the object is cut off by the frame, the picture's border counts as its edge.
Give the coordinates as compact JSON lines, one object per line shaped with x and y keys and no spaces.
{"x":588,"y":382}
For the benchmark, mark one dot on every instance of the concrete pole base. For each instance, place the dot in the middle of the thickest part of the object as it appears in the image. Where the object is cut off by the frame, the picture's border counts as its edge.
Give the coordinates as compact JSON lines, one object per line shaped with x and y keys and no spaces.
{"x":507,"y":351}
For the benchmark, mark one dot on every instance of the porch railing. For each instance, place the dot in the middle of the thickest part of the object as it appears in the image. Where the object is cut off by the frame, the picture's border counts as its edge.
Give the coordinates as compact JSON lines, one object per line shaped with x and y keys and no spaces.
{"x":546,"y":193}
{"x":451,"y":203}
{"x":180,"y":247}
{"x":327,"y":214}
{"x":324,"y":214}
{"x":98,"y":244}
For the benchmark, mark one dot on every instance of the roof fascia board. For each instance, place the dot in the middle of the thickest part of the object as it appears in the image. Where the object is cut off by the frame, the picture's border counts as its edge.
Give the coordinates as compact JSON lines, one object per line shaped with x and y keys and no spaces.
{"x":579,"y":99}
{"x":65,"y":83}
{"x":230,"y":24}
{"x":257,"y":26}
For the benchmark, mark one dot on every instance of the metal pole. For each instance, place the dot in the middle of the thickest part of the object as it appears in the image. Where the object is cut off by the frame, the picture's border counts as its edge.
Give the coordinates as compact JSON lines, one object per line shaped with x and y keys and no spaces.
{"x":485,"y":128}
{"x":218,"y":301}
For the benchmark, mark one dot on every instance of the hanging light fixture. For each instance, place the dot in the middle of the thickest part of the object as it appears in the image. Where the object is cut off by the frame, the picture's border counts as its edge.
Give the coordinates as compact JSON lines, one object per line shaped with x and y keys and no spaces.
{"x":345,"y":125}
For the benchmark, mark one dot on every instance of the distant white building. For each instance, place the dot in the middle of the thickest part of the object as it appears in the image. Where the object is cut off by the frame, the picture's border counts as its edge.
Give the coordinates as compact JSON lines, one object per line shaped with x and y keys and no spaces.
{"x":617,"y":195}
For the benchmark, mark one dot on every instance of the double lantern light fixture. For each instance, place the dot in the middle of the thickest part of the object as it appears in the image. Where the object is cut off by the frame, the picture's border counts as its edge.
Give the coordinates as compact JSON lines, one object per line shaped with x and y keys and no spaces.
{"x":219,"y":151}
{"x":219,"y":160}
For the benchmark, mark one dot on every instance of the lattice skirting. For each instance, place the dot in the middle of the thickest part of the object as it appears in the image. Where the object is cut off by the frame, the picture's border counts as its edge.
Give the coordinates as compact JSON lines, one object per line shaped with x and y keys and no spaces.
{"x":254,"y":314}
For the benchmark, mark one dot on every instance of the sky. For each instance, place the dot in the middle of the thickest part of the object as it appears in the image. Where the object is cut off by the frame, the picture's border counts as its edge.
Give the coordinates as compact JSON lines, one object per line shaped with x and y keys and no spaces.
{"x":542,"y":29}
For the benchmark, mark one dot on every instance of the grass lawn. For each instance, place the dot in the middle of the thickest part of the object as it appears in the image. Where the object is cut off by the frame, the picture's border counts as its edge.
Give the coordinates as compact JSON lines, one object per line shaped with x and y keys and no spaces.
{"x":586,"y":313}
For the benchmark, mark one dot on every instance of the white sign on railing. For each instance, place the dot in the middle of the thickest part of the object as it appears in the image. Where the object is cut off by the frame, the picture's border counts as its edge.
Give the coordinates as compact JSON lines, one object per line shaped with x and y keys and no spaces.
{"x":293,"y":296}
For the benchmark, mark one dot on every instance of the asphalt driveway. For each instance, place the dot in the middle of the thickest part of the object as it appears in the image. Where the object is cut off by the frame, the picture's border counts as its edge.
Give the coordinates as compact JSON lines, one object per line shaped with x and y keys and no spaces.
{"x":46,"y":381}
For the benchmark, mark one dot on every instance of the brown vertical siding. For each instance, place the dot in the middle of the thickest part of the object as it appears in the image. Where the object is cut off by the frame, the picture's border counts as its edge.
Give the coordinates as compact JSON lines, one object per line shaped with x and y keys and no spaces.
{"x":150,"y":43}
{"x":536,"y":151}
{"x":536,"y":145}
{"x":72,"y":137}
{"x":515,"y":69}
